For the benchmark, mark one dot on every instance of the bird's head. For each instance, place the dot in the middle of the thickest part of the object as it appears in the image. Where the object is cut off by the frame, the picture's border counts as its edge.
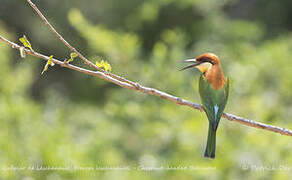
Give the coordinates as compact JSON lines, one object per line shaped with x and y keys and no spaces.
{"x":203,"y":62}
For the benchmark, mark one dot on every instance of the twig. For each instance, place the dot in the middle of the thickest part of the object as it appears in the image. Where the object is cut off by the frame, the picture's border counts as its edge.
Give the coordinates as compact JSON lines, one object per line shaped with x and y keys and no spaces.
{"x":53,"y":30}
{"x":153,"y":91}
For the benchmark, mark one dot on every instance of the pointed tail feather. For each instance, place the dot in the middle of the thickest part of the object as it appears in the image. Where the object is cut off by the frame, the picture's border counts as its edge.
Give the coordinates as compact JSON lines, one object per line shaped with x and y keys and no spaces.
{"x":211,"y":142}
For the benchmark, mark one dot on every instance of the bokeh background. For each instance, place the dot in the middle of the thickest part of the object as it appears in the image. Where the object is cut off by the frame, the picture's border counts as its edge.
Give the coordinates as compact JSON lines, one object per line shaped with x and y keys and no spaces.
{"x":68,"y":119}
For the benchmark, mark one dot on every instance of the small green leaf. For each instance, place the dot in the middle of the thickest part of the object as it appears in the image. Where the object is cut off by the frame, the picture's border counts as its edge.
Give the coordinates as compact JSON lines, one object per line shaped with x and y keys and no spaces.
{"x":49,"y":63}
{"x":25,"y":42}
{"x":72,"y":56}
{"x":105,"y":65}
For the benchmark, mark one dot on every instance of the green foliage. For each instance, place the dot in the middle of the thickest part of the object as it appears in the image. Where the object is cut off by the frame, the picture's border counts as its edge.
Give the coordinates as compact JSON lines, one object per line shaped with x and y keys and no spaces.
{"x":105,"y":65}
{"x":49,"y":63}
{"x":73,"y":55}
{"x":25,"y":42}
{"x":75,"y":120}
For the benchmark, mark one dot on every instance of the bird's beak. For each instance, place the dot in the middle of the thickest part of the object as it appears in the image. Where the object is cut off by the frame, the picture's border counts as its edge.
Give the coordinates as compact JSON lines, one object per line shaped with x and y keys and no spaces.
{"x":194,"y":61}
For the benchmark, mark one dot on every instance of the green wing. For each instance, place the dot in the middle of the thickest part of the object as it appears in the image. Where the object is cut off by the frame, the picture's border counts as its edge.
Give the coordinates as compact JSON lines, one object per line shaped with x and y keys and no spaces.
{"x":213,"y":100}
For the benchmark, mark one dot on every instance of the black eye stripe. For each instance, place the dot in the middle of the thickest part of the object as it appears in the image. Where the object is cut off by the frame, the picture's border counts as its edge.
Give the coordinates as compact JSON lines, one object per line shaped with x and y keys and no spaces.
{"x":206,"y":59}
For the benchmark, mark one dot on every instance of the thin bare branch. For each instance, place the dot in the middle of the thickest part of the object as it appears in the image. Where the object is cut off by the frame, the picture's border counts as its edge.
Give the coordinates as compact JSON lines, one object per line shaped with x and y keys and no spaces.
{"x":152,"y":91}
{"x":53,"y":30}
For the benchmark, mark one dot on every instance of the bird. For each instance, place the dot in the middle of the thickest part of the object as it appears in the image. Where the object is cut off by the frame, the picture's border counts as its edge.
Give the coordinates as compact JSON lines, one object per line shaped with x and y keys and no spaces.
{"x":214,"y":91}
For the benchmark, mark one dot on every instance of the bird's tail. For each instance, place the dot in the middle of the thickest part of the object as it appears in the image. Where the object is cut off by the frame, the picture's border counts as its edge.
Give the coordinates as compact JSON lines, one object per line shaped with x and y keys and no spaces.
{"x":211,"y":142}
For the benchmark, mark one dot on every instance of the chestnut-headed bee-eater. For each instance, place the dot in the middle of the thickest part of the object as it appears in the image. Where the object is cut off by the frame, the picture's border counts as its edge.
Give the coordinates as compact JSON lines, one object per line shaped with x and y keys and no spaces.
{"x":213,"y":89}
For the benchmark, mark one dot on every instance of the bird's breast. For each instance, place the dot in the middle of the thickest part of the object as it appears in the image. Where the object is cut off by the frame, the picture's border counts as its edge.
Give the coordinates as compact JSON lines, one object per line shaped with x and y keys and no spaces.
{"x":216,"y":77}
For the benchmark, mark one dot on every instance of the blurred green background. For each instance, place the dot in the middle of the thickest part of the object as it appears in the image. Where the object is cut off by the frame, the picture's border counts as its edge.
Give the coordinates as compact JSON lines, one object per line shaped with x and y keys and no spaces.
{"x":67,"y":119}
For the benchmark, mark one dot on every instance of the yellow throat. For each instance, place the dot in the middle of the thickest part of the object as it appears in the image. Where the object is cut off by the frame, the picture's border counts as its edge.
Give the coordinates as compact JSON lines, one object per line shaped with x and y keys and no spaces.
{"x":204,"y":67}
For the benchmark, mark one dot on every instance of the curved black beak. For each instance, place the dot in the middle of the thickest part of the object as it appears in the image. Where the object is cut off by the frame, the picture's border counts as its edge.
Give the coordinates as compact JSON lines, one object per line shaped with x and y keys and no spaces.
{"x":194,"y":61}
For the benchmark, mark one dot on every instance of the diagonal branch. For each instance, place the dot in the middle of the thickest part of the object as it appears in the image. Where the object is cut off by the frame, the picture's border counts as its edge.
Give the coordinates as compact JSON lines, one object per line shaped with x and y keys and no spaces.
{"x":53,"y":30}
{"x":152,"y":91}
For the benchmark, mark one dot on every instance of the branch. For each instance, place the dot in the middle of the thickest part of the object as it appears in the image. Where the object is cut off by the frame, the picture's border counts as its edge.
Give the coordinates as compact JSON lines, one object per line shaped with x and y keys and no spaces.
{"x":152,"y":91}
{"x":123,"y":82}
{"x":53,"y":30}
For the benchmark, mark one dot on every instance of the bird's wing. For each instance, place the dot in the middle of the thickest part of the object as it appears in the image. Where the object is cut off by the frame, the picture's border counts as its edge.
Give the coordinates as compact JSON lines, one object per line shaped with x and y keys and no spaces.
{"x":213,"y":100}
